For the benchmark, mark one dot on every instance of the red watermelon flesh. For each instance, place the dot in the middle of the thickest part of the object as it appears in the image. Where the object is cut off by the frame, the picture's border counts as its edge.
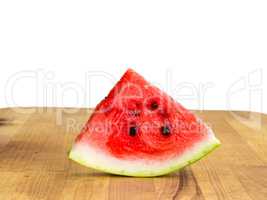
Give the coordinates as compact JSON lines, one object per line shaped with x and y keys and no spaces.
{"x":138,"y":130}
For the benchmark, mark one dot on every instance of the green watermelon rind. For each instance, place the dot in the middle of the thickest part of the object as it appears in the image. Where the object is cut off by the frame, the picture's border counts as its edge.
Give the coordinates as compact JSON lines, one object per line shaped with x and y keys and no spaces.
{"x":80,"y":157}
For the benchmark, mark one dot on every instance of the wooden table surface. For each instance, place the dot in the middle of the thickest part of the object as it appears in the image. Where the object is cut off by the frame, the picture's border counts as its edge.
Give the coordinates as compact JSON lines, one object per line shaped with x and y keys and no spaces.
{"x":34,"y":163}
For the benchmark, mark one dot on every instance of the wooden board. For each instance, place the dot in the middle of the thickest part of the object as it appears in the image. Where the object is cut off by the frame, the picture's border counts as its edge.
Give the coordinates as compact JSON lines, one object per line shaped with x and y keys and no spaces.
{"x":34,"y":163}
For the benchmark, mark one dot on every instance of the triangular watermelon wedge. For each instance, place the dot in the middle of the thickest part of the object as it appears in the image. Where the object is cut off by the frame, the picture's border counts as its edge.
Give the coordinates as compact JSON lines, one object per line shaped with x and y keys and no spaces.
{"x":138,"y":130}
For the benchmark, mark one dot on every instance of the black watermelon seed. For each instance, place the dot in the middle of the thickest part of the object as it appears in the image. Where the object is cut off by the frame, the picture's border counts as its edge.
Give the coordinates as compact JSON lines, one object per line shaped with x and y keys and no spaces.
{"x":154,"y":105}
{"x":132,"y":131}
{"x":165,"y":130}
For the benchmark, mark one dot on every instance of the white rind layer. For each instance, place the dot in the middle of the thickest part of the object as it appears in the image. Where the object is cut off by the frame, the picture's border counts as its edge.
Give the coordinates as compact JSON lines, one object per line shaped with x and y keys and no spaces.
{"x":97,"y":159}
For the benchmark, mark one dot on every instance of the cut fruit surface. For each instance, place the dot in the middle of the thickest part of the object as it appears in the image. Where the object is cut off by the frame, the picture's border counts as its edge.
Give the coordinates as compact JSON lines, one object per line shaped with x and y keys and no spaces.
{"x":138,"y":130}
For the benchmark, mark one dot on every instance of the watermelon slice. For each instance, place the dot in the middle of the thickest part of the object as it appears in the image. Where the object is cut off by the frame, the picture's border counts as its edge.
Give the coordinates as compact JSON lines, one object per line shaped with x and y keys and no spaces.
{"x":138,"y":130}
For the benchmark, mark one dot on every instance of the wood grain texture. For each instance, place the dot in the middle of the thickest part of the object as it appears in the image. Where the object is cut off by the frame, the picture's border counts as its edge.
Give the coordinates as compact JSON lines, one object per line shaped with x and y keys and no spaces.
{"x":34,"y":165}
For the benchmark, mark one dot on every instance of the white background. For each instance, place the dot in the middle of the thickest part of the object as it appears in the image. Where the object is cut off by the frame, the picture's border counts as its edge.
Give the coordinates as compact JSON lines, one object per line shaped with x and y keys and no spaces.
{"x":176,"y":44}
